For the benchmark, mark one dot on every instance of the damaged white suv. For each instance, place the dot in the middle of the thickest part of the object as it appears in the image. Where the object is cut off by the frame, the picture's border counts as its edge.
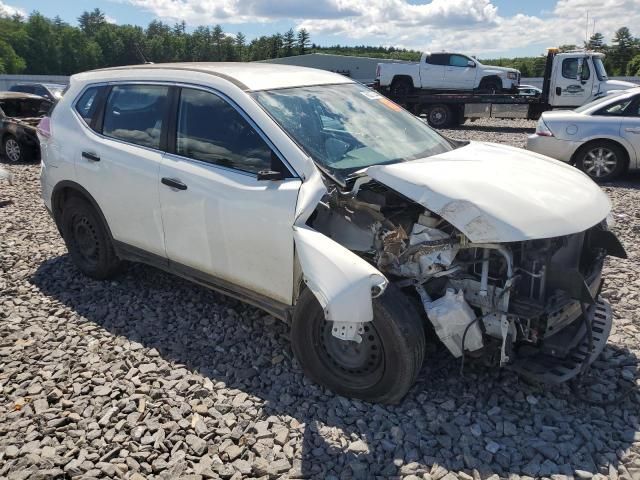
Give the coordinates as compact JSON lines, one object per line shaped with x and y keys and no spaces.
{"x":325,"y":204}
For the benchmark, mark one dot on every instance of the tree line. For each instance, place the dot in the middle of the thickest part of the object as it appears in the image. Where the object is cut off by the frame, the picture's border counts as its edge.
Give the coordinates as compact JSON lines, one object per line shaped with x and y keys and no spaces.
{"x":622,"y":55}
{"x":40,"y":45}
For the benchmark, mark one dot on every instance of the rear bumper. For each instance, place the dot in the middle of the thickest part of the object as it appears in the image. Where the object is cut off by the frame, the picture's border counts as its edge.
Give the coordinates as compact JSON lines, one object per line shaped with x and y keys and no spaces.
{"x":546,"y":368}
{"x":552,"y":147}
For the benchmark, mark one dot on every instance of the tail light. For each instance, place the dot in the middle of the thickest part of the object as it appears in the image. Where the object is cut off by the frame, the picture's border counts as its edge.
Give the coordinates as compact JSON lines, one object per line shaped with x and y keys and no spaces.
{"x":542,"y":130}
{"x":44,"y":127}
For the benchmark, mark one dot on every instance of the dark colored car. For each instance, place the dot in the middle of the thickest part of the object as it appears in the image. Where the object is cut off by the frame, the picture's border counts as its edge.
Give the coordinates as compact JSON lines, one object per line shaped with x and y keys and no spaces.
{"x":51,"y":91}
{"x":20,"y":114}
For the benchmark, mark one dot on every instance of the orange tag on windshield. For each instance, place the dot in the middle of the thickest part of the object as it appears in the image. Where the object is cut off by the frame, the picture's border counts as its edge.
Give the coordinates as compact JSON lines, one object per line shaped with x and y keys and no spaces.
{"x":390,"y":104}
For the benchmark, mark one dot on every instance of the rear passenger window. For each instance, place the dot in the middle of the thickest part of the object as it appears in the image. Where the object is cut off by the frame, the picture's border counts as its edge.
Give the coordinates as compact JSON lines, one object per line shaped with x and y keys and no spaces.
{"x":211,"y":130}
{"x":438,"y":59}
{"x":86,"y":105}
{"x":135,"y":113}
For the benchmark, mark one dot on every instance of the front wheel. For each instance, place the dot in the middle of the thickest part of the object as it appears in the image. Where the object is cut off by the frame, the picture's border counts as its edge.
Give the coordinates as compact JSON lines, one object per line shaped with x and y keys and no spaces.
{"x":381,"y":368}
{"x":12,"y":149}
{"x":602,"y":161}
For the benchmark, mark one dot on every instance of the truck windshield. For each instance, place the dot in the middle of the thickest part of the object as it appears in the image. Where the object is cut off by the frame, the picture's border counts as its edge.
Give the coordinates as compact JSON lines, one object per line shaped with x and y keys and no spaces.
{"x":600,"y":70}
{"x":348,"y":127}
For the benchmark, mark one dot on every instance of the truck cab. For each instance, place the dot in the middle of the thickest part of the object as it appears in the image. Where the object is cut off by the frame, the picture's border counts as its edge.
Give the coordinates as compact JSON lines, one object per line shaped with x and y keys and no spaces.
{"x":580,"y":77}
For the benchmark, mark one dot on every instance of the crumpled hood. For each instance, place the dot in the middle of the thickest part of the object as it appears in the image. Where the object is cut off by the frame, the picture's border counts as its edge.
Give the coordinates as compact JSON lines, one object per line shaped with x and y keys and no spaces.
{"x":495,"y":193}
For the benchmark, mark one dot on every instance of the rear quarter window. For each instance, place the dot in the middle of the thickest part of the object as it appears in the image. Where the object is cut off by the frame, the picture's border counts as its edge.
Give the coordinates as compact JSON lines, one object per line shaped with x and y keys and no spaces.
{"x":86,"y":105}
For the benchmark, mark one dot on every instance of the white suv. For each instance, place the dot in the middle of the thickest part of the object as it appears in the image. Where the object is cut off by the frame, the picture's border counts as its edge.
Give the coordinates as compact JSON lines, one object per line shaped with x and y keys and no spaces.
{"x":330,"y":207}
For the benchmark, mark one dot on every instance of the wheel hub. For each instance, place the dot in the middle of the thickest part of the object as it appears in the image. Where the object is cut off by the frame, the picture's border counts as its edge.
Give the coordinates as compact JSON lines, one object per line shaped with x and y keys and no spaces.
{"x":86,"y":239}
{"x":12,"y":149}
{"x":600,"y":162}
{"x":349,"y":356}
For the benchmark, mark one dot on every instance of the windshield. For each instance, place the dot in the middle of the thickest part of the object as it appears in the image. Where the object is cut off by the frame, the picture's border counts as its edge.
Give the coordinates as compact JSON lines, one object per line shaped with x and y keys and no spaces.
{"x":601,"y":100}
{"x":600,"y":70}
{"x":348,"y":127}
{"x":56,"y":90}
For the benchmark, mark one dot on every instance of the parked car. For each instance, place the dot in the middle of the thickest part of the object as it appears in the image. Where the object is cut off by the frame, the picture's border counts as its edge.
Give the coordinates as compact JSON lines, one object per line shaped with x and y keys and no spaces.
{"x":601,"y":138}
{"x":446,"y":71}
{"x":327,"y":205}
{"x":529,"y":90}
{"x":19,"y":117}
{"x":50,"y":91}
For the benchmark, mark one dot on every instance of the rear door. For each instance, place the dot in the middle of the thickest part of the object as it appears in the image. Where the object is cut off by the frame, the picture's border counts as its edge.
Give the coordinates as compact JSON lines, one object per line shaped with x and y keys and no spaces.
{"x":630,"y":127}
{"x":458,"y":74}
{"x":222,"y":223}
{"x":118,"y":156}
{"x":432,"y":70}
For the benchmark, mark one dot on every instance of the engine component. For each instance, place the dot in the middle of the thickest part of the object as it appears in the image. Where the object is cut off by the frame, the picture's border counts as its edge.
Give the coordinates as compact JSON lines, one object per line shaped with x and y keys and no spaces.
{"x":451,"y":316}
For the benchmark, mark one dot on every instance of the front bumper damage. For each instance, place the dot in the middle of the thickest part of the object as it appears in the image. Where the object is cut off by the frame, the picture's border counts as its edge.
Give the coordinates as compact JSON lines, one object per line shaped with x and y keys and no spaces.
{"x":553,"y":366}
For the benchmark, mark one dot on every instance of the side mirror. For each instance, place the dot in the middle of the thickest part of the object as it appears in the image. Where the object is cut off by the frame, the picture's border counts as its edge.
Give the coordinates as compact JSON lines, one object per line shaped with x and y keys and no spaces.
{"x":471,"y":64}
{"x":270,"y":175}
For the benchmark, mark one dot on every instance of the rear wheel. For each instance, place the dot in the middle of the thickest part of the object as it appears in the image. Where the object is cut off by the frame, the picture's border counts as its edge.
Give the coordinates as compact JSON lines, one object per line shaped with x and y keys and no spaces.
{"x":602,"y":161}
{"x":401,"y":86}
{"x":440,"y":116}
{"x":12,"y":149}
{"x":381,"y":368}
{"x":87,"y":240}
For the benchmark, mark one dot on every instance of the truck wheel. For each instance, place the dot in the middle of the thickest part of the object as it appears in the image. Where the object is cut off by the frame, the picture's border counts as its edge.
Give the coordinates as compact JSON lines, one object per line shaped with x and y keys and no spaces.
{"x":603,"y":161}
{"x":439,"y":116}
{"x":490,"y":85}
{"x":381,"y":368}
{"x":401,"y":86}
{"x":87,"y":240}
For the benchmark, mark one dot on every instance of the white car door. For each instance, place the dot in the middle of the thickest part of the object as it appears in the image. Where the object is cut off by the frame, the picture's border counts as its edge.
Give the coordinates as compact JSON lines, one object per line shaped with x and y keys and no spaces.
{"x":432,"y":70}
{"x":630,"y":127}
{"x":458,"y":74}
{"x":222,"y":223}
{"x":568,"y":91}
{"x":118,"y":162}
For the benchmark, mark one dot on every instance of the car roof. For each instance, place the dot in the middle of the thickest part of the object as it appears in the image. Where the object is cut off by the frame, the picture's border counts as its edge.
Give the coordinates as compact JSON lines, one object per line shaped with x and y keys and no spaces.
{"x":19,"y":95}
{"x":248,"y":76}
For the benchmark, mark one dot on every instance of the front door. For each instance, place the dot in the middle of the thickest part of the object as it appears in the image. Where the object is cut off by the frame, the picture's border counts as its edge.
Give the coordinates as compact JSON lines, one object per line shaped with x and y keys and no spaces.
{"x":458,"y":74}
{"x":219,"y":219}
{"x":570,"y":89}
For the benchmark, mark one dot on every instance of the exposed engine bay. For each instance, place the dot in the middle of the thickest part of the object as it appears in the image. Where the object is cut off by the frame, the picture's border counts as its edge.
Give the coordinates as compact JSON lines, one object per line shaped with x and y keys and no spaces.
{"x":500,"y":302}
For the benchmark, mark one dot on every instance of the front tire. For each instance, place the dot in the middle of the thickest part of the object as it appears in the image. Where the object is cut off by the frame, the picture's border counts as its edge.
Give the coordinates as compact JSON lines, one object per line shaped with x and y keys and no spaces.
{"x":490,"y":85}
{"x":381,"y":368}
{"x":602,"y":161}
{"x":87,"y":240}
{"x":12,"y":149}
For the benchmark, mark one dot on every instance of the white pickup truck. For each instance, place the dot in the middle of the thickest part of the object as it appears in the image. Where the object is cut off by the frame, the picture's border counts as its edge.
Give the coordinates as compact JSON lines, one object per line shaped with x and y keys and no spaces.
{"x":446,"y":71}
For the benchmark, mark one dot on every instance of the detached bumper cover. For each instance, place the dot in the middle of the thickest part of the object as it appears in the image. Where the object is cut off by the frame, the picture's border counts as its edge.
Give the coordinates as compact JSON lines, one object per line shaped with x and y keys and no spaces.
{"x":545,"y":368}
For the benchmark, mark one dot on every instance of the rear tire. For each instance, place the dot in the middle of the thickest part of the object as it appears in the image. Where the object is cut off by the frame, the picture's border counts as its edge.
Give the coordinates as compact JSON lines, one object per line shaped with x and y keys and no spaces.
{"x":382,"y":368}
{"x":440,"y":116}
{"x":401,"y":86}
{"x":603,"y":161}
{"x":88,"y":240}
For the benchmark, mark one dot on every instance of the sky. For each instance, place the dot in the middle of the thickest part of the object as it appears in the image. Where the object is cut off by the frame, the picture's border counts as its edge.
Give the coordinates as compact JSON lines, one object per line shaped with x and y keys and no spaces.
{"x":486,"y":28}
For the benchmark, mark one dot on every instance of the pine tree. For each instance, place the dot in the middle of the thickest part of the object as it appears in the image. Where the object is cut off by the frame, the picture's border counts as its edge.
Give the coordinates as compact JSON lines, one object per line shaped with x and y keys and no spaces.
{"x":288,"y":42}
{"x":240,"y":45}
{"x":90,"y":22}
{"x":596,"y":42}
{"x":304,"y":41}
{"x":622,"y":50}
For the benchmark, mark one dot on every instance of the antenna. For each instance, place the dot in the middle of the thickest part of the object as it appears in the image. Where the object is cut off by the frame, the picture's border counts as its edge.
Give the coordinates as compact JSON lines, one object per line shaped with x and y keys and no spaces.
{"x":586,"y":30}
{"x":141,"y":55}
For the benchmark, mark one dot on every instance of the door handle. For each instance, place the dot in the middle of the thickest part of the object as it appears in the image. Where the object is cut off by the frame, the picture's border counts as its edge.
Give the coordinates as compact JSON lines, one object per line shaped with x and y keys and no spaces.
{"x":632,"y":130}
{"x":91,"y":156}
{"x":173,"y":183}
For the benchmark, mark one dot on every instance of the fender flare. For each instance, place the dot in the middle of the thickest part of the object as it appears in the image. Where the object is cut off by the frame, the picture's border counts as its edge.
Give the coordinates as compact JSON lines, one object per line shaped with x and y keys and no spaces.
{"x":58,"y":195}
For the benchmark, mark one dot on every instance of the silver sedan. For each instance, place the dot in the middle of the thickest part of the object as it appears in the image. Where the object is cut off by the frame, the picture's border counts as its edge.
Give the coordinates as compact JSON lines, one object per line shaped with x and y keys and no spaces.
{"x":601,"y":138}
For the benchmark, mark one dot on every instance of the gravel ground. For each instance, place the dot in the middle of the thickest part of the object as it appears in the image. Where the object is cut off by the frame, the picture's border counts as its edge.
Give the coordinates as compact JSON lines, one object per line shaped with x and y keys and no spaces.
{"x":150,"y":376}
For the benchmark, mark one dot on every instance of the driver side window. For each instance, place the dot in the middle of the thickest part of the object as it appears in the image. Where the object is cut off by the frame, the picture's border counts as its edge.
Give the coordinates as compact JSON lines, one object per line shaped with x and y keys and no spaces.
{"x":213,"y":131}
